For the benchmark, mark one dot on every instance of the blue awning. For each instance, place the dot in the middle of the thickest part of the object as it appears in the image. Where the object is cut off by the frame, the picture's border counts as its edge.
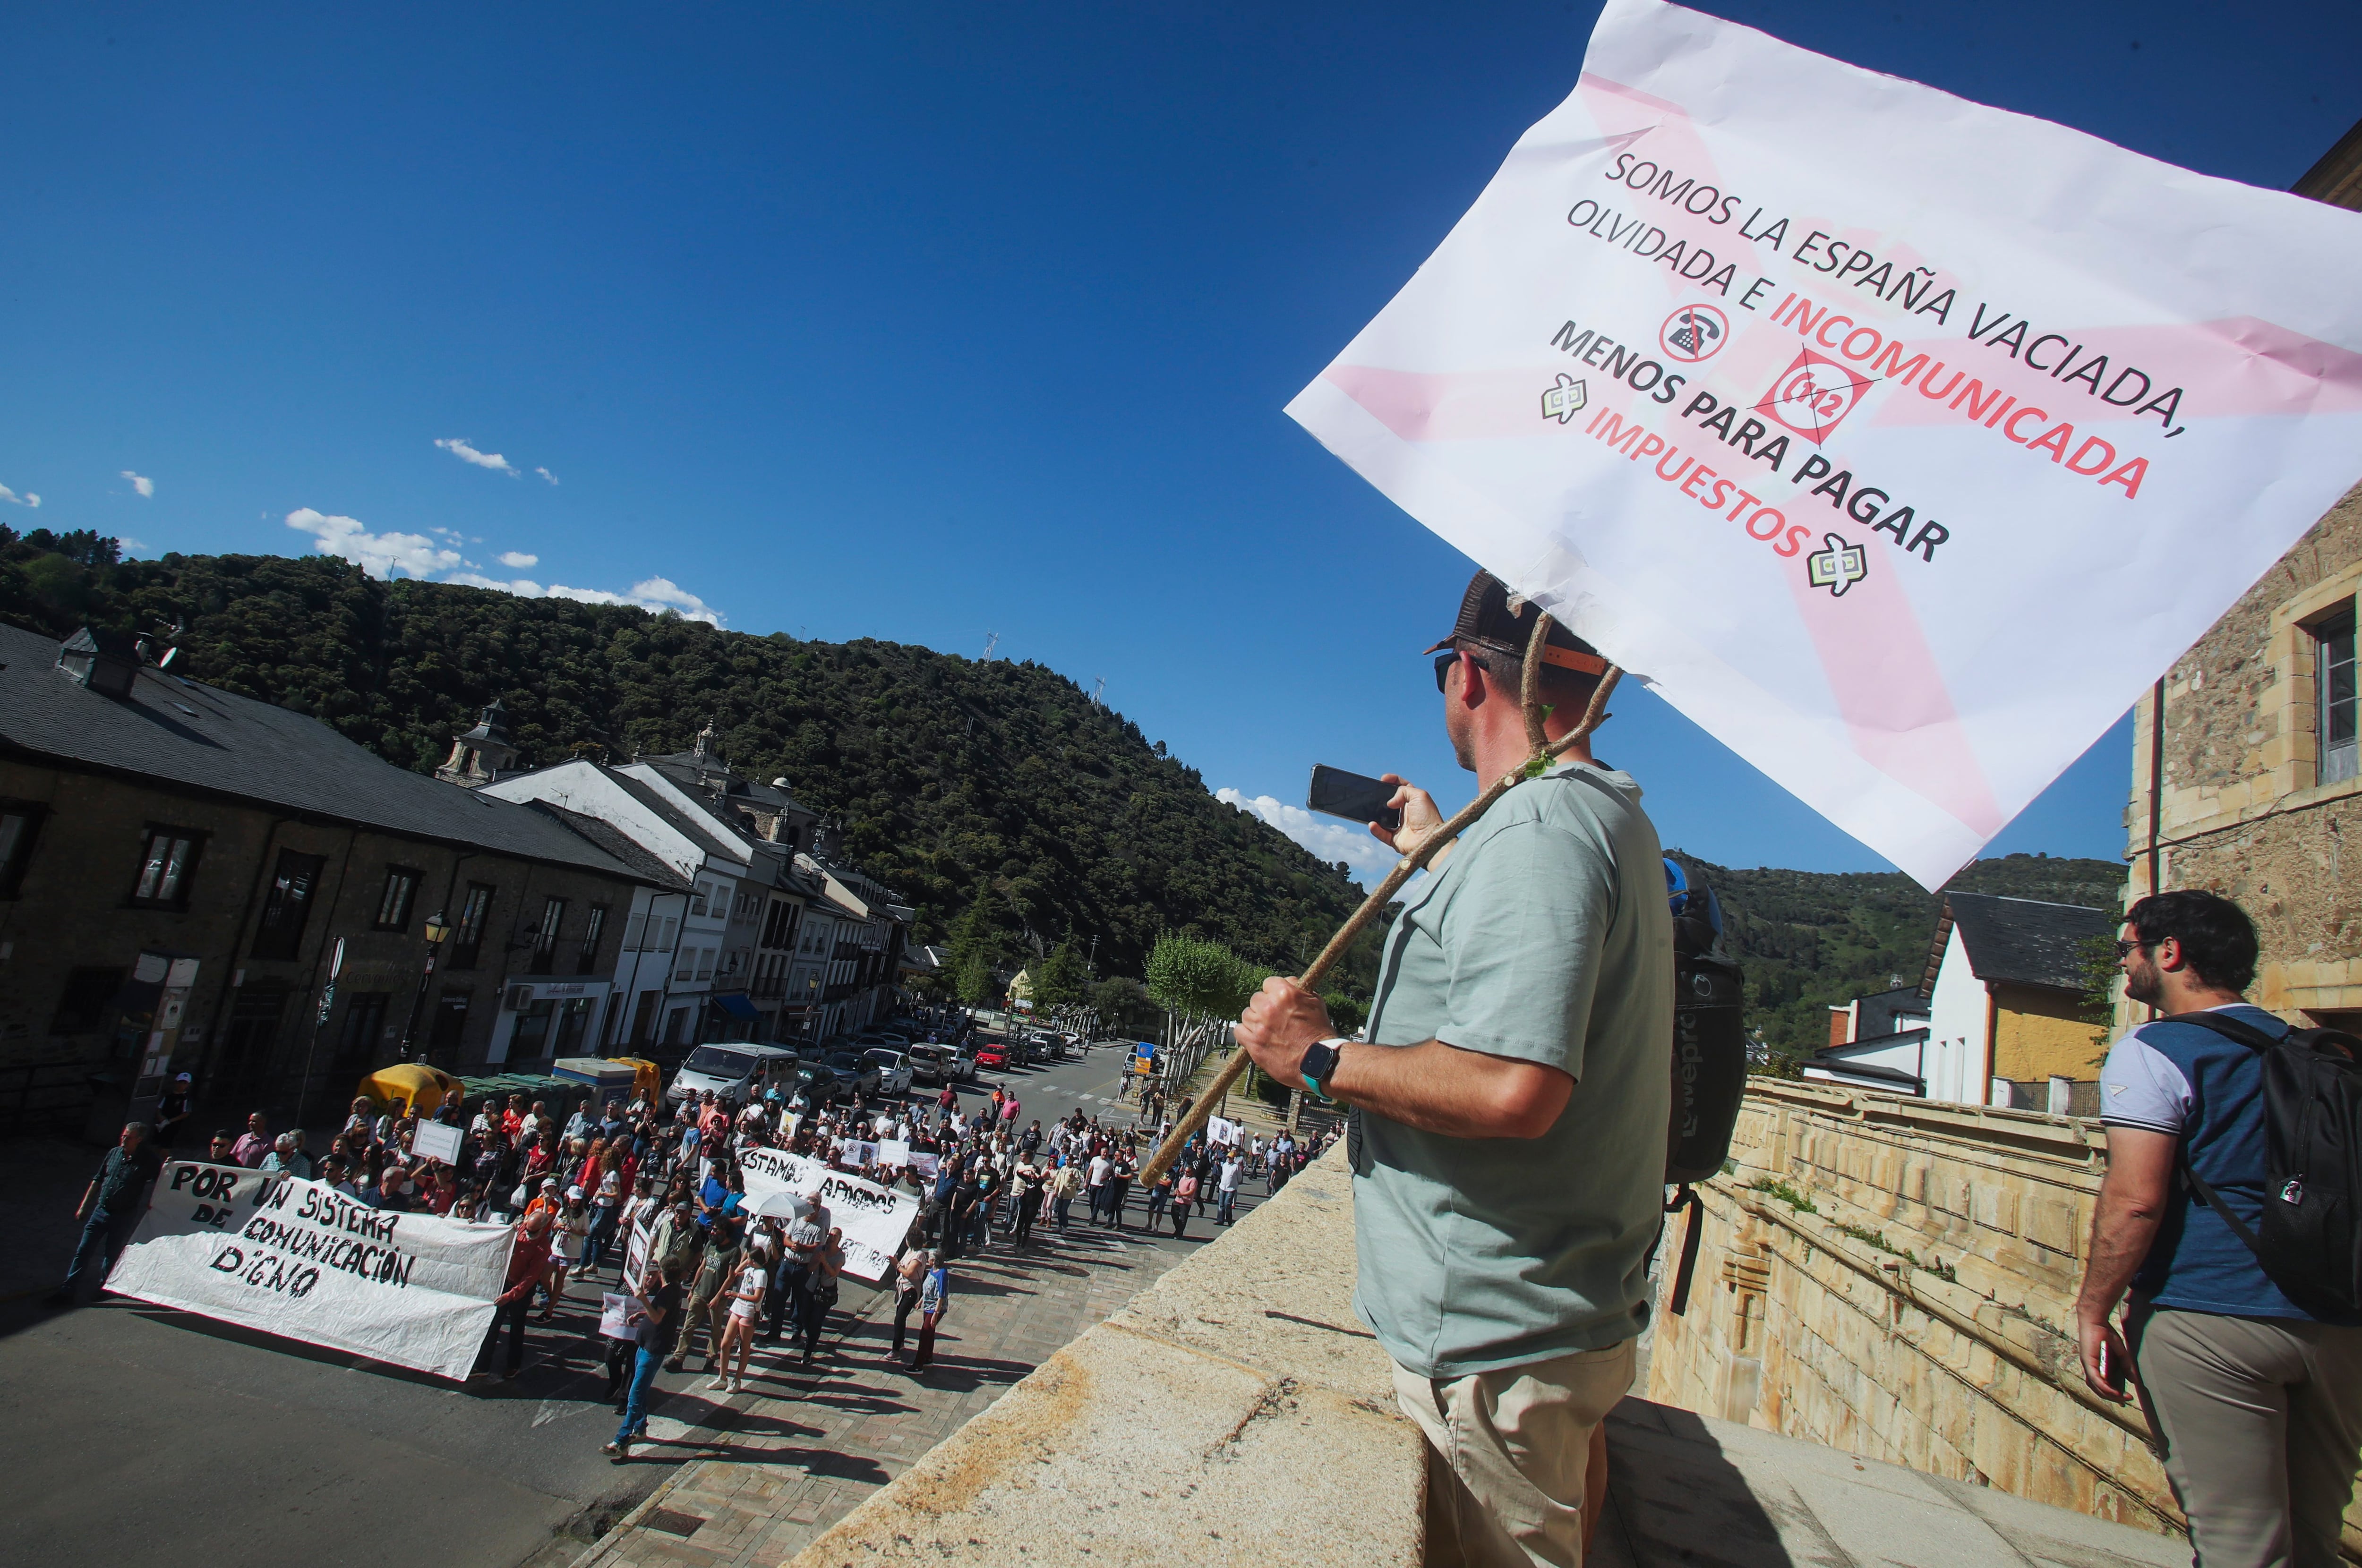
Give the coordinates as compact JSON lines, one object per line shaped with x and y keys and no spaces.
{"x":736,"y":1006}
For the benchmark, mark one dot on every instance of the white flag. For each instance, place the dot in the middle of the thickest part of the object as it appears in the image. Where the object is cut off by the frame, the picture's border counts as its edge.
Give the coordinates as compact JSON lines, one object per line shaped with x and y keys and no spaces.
{"x":1898,"y":441}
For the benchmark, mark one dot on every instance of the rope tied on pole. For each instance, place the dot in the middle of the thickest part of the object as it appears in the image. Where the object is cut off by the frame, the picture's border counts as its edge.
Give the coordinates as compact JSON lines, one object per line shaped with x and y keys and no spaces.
{"x":1542,"y":753}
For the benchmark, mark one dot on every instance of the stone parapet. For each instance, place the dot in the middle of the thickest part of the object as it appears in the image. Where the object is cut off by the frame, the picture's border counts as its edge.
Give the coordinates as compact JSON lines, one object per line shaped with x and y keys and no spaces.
{"x":1234,"y":1412}
{"x":1897,"y":1279}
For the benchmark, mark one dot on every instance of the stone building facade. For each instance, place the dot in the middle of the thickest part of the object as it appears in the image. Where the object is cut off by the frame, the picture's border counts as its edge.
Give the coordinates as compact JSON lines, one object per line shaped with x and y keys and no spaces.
{"x":2232,"y":793}
{"x":182,"y":864}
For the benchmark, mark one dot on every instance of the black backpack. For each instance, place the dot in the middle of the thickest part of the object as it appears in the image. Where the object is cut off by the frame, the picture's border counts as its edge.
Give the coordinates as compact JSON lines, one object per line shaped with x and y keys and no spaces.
{"x":1709,"y":1059}
{"x":2311,"y":1239}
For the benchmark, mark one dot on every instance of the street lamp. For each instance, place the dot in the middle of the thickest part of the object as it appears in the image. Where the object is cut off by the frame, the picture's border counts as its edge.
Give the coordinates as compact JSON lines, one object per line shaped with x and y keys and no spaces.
{"x":437,"y":931}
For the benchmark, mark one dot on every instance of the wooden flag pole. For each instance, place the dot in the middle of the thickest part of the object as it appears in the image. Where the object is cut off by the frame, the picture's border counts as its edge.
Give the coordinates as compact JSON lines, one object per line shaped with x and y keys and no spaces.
{"x":1543,"y":753}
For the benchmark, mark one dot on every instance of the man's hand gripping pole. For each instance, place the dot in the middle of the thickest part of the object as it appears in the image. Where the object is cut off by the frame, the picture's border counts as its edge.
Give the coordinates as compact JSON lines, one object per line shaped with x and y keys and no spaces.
{"x":1544,"y":751}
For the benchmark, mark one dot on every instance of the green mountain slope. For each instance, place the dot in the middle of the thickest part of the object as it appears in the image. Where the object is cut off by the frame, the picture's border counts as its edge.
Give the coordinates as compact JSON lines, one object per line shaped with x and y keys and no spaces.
{"x":1807,"y":939}
{"x":947,"y":774}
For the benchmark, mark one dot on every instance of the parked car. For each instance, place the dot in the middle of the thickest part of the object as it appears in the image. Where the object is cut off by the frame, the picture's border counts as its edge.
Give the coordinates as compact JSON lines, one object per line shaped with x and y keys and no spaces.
{"x":819,"y":1081}
{"x":930,"y":1062}
{"x":734,"y":1072}
{"x":894,"y":1069}
{"x":858,"y":1072}
{"x":991,"y":1053}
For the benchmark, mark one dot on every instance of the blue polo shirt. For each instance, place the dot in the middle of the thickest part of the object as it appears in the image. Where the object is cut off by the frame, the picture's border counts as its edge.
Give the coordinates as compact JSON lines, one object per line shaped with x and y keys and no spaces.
{"x":2207,"y":1090}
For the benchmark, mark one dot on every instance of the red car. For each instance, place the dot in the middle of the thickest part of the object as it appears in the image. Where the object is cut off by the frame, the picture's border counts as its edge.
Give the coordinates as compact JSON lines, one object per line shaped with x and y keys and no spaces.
{"x":992,"y":1053}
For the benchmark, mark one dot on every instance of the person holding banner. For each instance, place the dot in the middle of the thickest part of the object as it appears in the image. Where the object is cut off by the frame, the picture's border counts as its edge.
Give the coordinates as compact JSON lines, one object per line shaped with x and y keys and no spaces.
{"x":662,"y":1299}
{"x":110,"y":1211}
{"x":528,"y":1266}
{"x":1509,"y":1104}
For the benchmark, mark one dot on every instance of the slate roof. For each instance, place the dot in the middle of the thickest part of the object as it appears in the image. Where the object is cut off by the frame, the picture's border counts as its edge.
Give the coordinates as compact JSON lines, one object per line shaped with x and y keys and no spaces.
{"x":650,"y":867}
{"x":2021,"y":941}
{"x":1877,"y":1013}
{"x":172,"y":732}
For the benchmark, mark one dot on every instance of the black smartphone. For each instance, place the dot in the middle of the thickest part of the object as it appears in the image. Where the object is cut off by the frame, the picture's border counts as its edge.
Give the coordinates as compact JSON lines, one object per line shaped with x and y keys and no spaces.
{"x":1353,"y":796}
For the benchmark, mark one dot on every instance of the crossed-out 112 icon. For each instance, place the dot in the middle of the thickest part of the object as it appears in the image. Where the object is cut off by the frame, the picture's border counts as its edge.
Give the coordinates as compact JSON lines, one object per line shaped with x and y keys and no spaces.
{"x":1812,"y":395}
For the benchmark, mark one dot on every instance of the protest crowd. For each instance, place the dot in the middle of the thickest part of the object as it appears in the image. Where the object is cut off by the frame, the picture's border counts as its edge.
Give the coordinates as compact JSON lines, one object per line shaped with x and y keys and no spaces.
{"x":718,"y":1274}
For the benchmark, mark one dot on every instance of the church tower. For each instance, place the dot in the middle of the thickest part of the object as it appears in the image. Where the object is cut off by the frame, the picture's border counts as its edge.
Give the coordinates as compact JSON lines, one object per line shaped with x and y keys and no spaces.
{"x":478,"y":757}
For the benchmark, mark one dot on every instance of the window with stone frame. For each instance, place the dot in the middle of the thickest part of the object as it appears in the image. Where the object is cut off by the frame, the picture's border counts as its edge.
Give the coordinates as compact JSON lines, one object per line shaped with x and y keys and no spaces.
{"x":168,"y":868}
{"x":2339,"y":755}
{"x":468,"y":931}
{"x":393,"y":901}
{"x":587,"y":961}
{"x":545,"y":937}
{"x":287,"y":906}
{"x":20,"y":823}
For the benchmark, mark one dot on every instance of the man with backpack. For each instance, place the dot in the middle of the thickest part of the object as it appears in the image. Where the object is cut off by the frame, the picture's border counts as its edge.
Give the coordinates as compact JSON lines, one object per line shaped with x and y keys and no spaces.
{"x":1509,"y":1106}
{"x":2242,"y":1335}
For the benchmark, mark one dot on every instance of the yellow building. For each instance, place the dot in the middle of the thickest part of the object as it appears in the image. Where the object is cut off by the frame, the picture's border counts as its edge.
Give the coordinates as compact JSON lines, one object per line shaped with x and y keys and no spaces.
{"x":1998,"y":1017}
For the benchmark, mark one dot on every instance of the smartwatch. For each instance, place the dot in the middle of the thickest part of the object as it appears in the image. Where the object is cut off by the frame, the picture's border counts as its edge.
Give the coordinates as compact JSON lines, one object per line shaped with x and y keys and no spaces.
{"x":1319,"y":1063}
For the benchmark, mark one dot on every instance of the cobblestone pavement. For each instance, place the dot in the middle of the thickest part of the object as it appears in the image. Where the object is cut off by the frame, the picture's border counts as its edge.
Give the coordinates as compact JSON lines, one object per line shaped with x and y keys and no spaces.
{"x":805,"y":1444}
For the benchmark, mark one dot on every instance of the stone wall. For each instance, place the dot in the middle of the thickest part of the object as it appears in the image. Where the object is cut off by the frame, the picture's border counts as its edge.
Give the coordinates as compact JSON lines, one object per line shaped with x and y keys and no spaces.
{"x":1895,"y":1278}
{"x":1235,"y":1412}
{"x":2241,"y":811}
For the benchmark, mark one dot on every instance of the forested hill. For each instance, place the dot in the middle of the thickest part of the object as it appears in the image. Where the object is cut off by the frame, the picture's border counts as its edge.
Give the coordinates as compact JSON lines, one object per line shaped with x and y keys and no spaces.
{"x":1809,"y":938}
{"x":948,"y":775}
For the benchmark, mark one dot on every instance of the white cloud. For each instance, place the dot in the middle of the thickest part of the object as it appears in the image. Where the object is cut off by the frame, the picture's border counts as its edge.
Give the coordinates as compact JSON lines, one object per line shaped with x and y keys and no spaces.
{"x":1327,"y":840}
{"x":458,"y":446}
{"x":387,"y":554}
{"x":142,"y":483}
{"x":28,"y":498}
{"x":657,"y":593}
{"x":379,"y":554}
{"x":547,"y":475}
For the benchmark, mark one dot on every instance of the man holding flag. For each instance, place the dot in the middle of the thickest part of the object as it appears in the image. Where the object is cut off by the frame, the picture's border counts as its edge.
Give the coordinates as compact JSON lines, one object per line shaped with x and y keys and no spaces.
{"x":1510,"y":1104}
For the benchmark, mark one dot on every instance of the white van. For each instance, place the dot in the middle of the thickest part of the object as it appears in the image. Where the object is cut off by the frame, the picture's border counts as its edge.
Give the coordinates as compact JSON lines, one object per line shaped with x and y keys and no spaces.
{"x":734,"y":1072}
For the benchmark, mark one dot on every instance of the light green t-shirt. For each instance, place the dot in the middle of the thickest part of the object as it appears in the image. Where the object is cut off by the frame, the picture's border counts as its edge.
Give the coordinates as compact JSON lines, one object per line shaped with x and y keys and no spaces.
{"x":1546,"y":938}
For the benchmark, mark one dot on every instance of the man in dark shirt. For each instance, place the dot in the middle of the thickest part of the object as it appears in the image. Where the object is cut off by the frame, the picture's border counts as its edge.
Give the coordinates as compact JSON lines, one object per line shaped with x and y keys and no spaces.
{"x":110,"y":1211}
{"x":2255,"y":1398}
{"x":650,"y":1331}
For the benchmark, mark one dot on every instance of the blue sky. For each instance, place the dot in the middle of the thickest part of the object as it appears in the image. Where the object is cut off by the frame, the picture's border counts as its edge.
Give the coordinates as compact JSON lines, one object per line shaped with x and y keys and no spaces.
{"x":904,"y":321}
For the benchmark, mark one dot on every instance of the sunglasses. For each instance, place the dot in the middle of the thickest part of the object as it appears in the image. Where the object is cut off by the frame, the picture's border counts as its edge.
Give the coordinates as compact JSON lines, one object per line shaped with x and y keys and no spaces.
{"x":2133,"y":944}
{"x":1443,"y":662}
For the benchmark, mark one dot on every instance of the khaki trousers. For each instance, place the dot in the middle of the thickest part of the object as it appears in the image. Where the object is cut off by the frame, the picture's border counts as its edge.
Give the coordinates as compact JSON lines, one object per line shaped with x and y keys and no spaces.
{"x":2262,"y":1424}
{"x":1508,"y":1453}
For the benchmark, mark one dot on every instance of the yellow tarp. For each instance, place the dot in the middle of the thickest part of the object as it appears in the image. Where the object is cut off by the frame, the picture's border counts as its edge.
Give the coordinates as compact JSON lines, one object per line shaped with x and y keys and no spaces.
{"x":419,"y":1087}
{"x":647,"y":1078}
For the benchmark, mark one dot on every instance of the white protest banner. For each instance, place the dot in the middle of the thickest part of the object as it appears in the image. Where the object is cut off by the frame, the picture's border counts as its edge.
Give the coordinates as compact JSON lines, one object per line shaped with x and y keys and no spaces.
{"x":874,"y":1220}
{"x":894,"y":1153}
{"x":635,"y":1252}
{"x":301,"y":1259}
{"x":859,"y":1152}
{"x":436,"y":1141}
{"x":1220,"y":1131}
{"x":1898,"y":441}
{"x":925,"y":1161}
{"x":615,"y":1310}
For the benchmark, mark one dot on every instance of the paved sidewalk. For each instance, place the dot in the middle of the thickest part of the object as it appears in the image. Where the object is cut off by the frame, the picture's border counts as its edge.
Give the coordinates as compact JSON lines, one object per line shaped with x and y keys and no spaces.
{"x":806,"y":1444}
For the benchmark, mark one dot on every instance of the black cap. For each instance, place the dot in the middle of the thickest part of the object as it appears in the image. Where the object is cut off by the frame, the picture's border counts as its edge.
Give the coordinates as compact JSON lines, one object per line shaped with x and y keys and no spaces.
{"x":1486,"y":621}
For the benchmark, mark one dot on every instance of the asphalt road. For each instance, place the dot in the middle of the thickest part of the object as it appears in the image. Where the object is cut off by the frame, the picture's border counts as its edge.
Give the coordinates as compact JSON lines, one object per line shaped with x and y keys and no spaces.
{"x":138,"y":1432}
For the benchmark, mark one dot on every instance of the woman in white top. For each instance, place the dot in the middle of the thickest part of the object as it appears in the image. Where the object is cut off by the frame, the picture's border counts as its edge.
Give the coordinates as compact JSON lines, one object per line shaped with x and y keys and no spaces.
{"x":746,"y":1293}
